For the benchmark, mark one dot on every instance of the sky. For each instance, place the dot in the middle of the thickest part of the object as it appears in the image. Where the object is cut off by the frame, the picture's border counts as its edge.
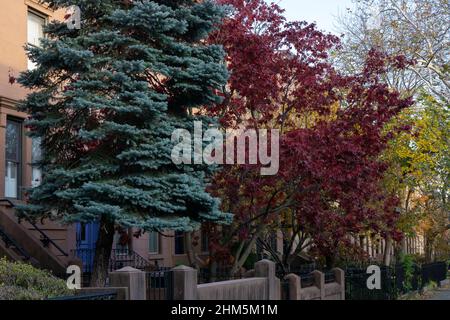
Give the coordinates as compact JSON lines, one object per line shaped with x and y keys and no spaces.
{"x":323,"y":12}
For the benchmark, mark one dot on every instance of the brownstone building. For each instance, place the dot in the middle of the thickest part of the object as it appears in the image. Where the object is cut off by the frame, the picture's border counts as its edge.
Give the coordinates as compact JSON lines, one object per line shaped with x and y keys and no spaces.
{"x":47,"y":244}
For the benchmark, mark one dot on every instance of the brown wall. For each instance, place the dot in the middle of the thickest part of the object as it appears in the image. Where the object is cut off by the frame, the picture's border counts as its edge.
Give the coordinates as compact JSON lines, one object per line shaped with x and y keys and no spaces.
{"x":13,"y":36}
{"x":167,"y":256}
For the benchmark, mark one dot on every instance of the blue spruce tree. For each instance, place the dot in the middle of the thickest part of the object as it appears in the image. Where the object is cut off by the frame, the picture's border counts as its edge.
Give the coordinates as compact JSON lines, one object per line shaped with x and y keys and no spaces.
{"x":106,"y":99}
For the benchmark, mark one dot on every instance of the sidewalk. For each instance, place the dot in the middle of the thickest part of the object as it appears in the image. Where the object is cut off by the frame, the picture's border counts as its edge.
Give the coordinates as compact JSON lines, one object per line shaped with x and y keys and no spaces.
{"x":441,"y":294}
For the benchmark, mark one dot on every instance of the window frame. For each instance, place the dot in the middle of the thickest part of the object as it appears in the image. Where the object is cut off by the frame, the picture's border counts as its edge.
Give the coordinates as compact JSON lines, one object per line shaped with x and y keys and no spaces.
{"x":180,"y":235}
{"x":44,"y":17}
{"x":34,"y":164}
{"x":158,"y":243}
{"x":19,"y":160}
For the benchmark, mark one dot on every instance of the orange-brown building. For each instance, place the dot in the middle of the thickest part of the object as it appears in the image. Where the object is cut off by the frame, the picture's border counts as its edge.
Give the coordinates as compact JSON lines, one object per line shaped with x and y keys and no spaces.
{"x":46,"y":245}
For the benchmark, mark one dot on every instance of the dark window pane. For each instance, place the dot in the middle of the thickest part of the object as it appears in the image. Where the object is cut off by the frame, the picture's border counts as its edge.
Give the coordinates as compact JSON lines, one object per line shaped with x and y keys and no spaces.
{"x":12,"y":154}
{"x":83,"y":232}
{"x":179,"y":242}
{"x":12,"y":141}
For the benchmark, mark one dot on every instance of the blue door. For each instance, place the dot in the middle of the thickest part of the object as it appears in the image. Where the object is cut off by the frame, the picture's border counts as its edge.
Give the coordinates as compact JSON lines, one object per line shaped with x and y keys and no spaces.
{"x":87,"y":234}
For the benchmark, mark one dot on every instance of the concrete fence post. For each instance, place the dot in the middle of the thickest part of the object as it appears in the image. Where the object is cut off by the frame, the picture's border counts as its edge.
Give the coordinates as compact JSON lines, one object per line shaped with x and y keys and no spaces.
{"x":294,"y":284}
{"x":130,"y":278}
{"x":184,"y":283}
{"x":266,"y":269}
{"x":339,"y":276}
{"x":319,"y":282}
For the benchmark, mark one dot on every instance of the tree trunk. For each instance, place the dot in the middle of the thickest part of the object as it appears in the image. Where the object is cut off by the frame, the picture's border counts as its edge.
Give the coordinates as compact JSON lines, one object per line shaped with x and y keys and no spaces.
{"x":387,"y":251}
{"x":192,"y":258}
{"x":242,"y":258}
{"x":404,"y":246}
{"x":102,"y":253}
{"x":429,"y":244}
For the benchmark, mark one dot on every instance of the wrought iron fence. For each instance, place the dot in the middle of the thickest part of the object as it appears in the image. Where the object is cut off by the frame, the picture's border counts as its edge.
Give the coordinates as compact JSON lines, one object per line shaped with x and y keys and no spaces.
{"x":395,"y":281}
{"x":307,"y":280}
{"x":330,"y":277}
{"x":119,"y":259}
{"x":301,"y":270}
{"x":435,"y":272}
{"x":206,"y":275}
{"x":109,"y":295}
{"x":159,"y":284}
{"x":356,"y":285}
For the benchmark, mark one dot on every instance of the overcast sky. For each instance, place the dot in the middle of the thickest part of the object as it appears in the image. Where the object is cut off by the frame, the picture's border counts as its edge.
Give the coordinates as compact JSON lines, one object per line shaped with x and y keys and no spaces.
{"x":323,"y":12}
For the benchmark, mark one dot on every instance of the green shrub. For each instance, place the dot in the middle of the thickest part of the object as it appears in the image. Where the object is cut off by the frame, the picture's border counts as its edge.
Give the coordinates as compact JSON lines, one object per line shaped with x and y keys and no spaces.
{"x":409,"y":268}
{"x":21,"y":281}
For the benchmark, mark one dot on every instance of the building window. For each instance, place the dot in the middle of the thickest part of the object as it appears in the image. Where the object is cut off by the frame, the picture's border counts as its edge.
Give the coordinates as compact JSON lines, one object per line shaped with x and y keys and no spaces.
{"x":13,"y":158}
{"x":35,"y":28}
{"x":153,"y":243}
{"x":121,"y":242}
{"x":179,"y":242}
{"x":36,"y":158}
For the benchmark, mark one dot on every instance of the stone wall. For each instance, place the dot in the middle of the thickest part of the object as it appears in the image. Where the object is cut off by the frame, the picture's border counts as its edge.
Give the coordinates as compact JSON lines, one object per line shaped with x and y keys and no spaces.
{"x":263,"y":286}
{"x":260,"y":284}
{"x":320,"y":290}
{"x":245,"y":289}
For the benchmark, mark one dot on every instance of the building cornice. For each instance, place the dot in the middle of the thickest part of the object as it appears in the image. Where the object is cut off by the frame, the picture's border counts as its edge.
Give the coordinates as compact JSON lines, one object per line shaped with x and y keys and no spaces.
{"x":7,"y":102}
{"x":39,"y":6}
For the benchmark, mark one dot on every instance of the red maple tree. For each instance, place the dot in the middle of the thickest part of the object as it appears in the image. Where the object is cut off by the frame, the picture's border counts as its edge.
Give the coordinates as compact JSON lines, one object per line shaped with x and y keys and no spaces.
{"x":328,"y":185}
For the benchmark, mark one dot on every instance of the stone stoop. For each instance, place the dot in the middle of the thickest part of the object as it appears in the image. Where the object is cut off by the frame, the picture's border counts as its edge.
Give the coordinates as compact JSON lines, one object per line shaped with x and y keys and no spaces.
{"x":29,"y":240}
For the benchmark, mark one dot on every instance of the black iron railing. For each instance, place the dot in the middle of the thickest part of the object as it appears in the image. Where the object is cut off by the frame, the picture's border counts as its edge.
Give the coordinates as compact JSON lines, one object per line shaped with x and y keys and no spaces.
{"x":119,"y":259}
{"x":45,"y":239}
{"x":11,"y":243}
{"x":435,"y":272}
{"x":356,"y":285}
{"x":395,"y":281}
{"x":205,"y":275}
{"x":307,"y":280}
{"x":330,"y":277}
{"x":159,"y":284}
{"x":300,"y":270}
{"x":110,"y":295}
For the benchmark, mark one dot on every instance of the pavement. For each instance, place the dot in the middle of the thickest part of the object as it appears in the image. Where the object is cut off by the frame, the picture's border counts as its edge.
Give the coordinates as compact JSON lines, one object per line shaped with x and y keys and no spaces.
{"x":441,"y":294}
